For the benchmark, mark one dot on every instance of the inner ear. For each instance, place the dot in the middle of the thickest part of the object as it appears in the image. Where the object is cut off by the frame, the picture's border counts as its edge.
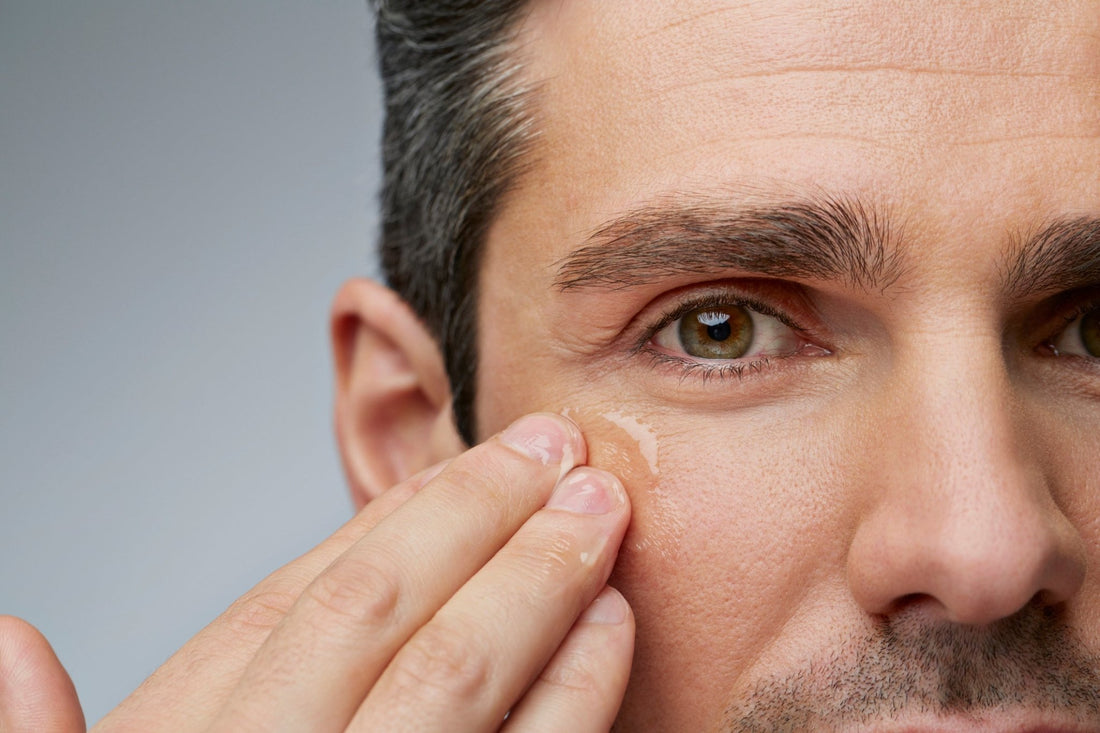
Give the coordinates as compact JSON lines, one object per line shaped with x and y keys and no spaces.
{"x":393,"y":401}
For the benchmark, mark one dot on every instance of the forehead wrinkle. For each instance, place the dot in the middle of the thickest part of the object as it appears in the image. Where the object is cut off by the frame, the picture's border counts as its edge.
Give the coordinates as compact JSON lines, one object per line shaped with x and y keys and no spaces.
{"x":852,"y":70}
{"x":823,"y":238}
{"x":898,"y":108}
{"x":680,"y":23}
{"x":776,"y":34}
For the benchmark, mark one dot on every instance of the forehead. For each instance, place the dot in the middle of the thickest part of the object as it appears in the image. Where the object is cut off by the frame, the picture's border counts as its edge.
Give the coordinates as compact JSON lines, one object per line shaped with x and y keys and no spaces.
{"x":919,"y":102}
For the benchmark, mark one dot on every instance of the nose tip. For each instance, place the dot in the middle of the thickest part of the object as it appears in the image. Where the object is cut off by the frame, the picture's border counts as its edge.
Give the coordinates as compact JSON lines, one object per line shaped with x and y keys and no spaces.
{"x":963,"y":519}
{"x":977,"y":576}
{"x":967,"y":570}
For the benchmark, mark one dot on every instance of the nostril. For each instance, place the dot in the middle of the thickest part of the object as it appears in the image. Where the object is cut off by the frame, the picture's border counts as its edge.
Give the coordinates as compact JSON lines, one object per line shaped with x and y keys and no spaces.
{"x":909,"y":599}
{"x":922,"y":604}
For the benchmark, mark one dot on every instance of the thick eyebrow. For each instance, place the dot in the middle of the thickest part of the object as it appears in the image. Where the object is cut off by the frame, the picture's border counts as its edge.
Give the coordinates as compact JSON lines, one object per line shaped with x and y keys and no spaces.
{"x":1063,"y":255}
{"x":819,"y":239}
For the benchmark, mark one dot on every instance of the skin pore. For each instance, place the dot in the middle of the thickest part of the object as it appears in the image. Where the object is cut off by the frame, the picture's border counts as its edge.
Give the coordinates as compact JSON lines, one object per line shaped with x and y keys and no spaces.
{"x":887,"y":515}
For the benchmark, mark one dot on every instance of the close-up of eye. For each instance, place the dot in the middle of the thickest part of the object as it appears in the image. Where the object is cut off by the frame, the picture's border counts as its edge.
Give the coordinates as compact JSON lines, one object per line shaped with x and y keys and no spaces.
{"x":1081,"y":337}
{"x":728,"y":331}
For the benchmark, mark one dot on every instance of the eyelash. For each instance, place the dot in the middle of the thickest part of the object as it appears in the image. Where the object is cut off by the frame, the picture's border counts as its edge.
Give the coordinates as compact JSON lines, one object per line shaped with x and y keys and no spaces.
{"x":705,"y":370}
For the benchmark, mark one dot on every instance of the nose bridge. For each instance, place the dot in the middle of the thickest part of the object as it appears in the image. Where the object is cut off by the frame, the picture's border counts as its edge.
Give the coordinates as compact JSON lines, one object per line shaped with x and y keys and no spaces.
{"x":963,"y":515}
{"x":964,"y":474}
{"x":960,"y":414}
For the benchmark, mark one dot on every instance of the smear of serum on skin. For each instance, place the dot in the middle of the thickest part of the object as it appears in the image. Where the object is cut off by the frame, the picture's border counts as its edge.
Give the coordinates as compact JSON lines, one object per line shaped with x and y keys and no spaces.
{"x":656,"y":512}
{"x":644,"y":435}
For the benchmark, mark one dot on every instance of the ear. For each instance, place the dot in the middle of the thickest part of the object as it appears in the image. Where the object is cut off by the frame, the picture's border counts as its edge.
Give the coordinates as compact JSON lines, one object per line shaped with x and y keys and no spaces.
{"x":393,"y":400}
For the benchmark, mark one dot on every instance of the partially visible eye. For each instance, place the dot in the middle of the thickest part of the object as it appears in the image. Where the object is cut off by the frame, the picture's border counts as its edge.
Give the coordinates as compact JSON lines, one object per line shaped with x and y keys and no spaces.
{"x":1081,"y":337}
{"x":728,"y":331}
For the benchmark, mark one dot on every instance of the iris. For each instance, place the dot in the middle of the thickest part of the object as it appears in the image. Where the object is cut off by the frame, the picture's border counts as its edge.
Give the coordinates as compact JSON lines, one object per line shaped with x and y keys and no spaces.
{"x":716,"y":333}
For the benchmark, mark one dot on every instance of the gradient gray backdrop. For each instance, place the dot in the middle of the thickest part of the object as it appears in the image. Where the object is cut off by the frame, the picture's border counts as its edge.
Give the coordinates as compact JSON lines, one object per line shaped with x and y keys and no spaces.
{"x":183,"y":186}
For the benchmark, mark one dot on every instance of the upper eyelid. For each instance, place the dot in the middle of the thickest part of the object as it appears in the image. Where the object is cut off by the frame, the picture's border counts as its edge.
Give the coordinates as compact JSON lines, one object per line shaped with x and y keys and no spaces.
{"x":1055,"y":315}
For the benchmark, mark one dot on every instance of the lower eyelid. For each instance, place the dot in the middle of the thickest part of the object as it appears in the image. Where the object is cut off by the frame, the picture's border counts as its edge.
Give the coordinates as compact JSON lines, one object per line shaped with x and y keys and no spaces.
{"x":698,"y":380}
{"x":707,"y":369}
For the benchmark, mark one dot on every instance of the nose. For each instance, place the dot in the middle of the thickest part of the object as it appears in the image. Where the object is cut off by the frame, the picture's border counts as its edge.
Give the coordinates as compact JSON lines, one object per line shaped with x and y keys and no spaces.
{"x":961,"y":517}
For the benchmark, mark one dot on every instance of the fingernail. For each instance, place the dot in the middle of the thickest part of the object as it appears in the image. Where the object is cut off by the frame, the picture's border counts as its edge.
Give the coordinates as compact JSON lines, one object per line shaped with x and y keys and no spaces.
{"x":543,"y":438}
{"x":586,"y":491}
{"x":608,"y":608}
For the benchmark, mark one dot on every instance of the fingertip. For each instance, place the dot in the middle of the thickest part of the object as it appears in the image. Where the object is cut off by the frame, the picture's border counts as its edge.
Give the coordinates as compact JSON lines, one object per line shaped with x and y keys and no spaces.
{"x":609,"y":607}
{"x":548,"y":438}
{"x":580,"y":446}
{"x":22,"y":647}
{"x":36,"y":693}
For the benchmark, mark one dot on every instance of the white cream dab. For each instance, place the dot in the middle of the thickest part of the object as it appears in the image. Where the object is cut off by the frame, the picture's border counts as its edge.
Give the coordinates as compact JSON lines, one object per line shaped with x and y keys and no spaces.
{"x":539,"y":445}
{"x":566,"y":460}
{"x":567,"y":457}
{"x":644,"y":435}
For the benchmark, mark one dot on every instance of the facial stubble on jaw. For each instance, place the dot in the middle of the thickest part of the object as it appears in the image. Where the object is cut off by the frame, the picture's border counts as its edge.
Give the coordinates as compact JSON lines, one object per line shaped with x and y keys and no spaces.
{"x":906,"y":666}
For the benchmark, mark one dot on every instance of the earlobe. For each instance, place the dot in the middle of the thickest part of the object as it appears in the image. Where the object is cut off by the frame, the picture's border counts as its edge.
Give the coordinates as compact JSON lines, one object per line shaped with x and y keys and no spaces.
{"x":393,"y":402}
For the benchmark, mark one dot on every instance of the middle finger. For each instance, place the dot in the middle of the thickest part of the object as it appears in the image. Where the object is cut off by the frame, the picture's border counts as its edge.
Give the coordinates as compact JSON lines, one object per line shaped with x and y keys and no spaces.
{"x":318,"y":664}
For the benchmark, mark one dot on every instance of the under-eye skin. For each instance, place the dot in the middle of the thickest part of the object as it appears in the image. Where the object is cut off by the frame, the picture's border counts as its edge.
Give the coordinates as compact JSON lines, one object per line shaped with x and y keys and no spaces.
{"x":1081,"y":335}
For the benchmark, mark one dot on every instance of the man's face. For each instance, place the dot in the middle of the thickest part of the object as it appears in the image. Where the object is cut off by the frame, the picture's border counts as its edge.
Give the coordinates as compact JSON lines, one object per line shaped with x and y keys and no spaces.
{"x":819,"y":281}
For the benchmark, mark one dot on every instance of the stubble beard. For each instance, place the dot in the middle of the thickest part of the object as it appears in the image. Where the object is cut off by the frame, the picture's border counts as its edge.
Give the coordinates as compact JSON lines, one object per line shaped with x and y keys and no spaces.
{"x":906,"y":667}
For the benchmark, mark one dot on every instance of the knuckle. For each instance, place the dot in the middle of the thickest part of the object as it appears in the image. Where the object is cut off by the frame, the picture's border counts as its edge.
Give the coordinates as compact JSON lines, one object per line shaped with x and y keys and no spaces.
{"x":579,"y":672}
{"x":442,"y":662}
{"x":260,"y":610}
{"x":491,"y":479}
{"x":361,"y":594}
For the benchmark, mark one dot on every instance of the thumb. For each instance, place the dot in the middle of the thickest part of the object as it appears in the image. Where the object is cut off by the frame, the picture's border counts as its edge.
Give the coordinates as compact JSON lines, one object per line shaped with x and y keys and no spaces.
{"x":36,"y":694}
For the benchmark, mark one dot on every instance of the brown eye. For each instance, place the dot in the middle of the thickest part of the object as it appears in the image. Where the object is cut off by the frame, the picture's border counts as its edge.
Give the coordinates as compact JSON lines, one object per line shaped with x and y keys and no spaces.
{"x":1090,"y":332}
{"x":725,"y":332}
{"x":729,"y":331}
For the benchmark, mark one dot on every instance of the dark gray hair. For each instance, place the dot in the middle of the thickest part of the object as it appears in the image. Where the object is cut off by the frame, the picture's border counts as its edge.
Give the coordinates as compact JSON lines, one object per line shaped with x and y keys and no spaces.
{"x":456,"y":132}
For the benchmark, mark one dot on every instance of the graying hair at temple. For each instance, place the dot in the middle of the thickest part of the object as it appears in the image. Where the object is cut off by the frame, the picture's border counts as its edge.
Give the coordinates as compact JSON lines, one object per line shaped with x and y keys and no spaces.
{"x":456,"y":130}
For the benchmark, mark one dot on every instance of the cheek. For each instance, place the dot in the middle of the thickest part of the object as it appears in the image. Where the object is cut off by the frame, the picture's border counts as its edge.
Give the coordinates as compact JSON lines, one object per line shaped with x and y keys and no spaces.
{"x":740,"y":531}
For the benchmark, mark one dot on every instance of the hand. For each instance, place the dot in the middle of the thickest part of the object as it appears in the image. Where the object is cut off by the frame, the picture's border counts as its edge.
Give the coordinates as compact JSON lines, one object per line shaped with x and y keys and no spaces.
{"x":452,"y":599}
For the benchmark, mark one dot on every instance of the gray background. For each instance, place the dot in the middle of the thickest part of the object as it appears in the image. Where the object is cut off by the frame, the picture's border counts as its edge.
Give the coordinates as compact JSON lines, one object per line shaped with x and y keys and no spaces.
{"x":183,"y":186}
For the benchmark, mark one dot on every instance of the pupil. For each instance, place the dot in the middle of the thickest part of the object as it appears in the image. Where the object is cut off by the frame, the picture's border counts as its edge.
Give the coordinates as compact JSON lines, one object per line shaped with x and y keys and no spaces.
{"x":719,"y":331}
